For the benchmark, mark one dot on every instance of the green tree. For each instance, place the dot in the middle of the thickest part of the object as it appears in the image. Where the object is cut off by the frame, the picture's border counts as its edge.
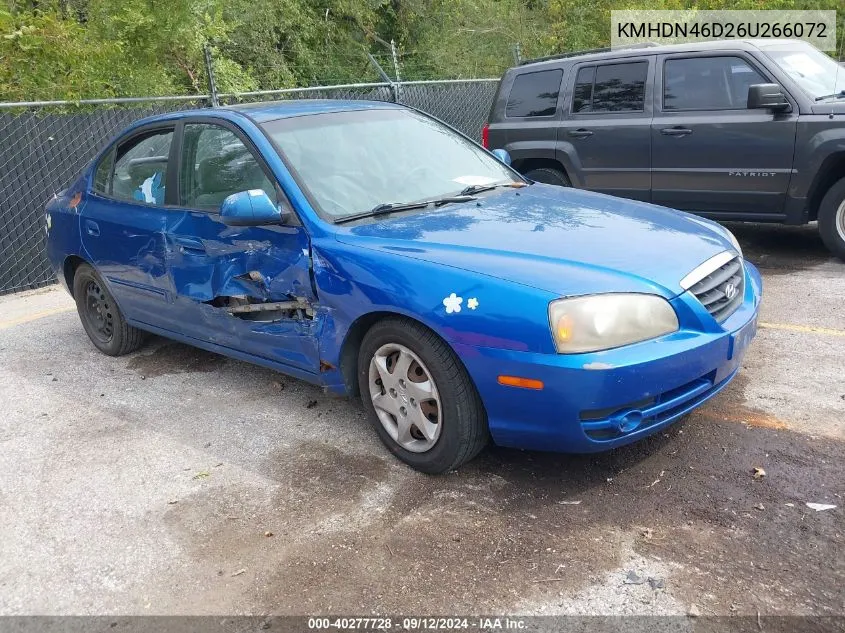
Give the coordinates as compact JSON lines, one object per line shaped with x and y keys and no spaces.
{"x":75,"y":49}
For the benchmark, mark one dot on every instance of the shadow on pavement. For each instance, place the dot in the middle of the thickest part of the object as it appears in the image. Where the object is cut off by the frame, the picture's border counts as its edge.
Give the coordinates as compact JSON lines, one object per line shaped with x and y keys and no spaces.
{"x":780,"y":249}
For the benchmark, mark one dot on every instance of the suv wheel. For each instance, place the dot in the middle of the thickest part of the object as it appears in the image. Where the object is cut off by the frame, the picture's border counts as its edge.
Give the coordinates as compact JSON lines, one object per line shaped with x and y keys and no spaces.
{"x":832,"y":219}
{"x":548,"y":176}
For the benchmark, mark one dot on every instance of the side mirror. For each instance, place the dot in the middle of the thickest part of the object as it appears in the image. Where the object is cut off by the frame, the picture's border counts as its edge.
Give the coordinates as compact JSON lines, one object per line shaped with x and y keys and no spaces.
{"x":768,"y":96}
{"x":502,"y":155}
{"x":250,"y":208}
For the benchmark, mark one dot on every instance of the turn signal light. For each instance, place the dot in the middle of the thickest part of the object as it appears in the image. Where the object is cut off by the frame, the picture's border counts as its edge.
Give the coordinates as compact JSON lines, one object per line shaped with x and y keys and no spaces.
{"x":516,"y":381}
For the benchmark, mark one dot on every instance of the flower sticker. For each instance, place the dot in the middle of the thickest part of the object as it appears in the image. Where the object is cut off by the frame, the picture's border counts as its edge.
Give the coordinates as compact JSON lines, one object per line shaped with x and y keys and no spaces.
{"x":472,"y":303}
{"x":453,"y":303}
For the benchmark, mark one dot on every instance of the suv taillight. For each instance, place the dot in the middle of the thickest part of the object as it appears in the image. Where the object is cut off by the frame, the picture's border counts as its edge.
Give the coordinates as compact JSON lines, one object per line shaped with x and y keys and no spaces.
{"x":485,"y":136}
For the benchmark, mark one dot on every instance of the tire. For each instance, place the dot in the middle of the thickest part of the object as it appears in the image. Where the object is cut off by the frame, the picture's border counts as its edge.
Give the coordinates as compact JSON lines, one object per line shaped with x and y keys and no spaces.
{"x":548,"y":176}
{"x":103,"y":322}
{"x":460,"y":431}
{"x":832,"y":219}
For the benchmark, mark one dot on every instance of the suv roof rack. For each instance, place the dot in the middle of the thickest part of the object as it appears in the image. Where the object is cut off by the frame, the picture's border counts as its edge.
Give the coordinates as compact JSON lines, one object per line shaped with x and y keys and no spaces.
{"x":588,"y":52}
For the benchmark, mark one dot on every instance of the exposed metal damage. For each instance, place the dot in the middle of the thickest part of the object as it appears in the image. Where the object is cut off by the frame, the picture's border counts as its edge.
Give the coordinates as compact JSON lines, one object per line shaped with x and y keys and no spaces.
{"x":251,"y":309}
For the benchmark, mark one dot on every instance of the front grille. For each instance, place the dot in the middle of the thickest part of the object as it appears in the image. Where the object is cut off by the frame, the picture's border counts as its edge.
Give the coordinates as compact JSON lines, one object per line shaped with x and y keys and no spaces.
{"x":721,"y":291}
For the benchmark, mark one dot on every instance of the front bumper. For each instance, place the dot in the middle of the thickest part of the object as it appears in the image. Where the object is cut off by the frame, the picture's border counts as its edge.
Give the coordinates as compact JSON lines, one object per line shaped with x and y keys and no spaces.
{"x":597,"y":401}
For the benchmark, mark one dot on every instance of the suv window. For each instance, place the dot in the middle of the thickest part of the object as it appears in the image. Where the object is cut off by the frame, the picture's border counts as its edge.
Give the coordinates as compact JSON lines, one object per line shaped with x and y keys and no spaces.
{"x":216,"y":164}
{"x":707,"y":83}
{"x":103,"y":171}
{"x":582,"y":96}
{"x":140,"y":171}
{"x":610,"y":88}
{"x":534,"y":94}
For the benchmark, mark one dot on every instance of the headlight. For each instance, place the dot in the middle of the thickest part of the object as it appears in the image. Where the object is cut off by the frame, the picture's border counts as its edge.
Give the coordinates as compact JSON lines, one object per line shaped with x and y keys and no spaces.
{"x":734,"y":242}
{"x":598,"y":322}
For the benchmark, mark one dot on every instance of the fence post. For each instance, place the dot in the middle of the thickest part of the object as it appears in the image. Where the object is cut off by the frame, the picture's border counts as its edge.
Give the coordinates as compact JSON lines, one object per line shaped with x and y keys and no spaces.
{"x":517,"y":54}
{"x":396,"y":71}
{"x":385,"y":78}
{"x":395,"y":61}
{"x":209,"y":70}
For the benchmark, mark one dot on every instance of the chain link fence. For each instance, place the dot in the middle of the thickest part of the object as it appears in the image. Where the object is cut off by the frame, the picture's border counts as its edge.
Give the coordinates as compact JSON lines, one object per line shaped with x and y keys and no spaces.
{"x":46,"y":144}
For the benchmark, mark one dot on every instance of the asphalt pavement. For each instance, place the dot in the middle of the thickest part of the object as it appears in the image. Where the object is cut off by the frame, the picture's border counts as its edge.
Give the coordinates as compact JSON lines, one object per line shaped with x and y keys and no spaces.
{"x":175,"y":481}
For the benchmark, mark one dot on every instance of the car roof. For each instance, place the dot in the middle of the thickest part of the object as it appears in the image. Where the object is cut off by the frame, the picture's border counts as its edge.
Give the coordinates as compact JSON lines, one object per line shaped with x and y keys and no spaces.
{"x":263,"y":111}
{"x":270,"y":110}
{"x":651,"y":49}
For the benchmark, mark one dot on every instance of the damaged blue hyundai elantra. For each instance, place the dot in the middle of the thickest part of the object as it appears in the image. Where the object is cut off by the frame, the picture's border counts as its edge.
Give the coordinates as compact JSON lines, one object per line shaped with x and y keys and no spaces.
{"x":371,"y":249}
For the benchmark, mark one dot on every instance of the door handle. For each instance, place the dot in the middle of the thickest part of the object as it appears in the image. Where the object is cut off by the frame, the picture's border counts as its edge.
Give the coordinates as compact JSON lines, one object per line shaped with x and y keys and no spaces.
{"x":190,"y":244}
{"x":580,"y":133}
{"x":676,"y":131}
{"x":92,"y":228}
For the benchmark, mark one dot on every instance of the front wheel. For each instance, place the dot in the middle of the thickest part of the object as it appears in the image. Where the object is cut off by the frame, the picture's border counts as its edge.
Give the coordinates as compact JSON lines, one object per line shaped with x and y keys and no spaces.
{"x":103,"y":322}
{"x":832,"y":219}
{"x":420,"y":398}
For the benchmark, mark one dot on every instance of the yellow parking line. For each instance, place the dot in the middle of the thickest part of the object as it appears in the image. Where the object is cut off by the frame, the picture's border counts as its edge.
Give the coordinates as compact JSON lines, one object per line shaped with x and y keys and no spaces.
{"x":34,"y":317}
{"x":802,"y":328}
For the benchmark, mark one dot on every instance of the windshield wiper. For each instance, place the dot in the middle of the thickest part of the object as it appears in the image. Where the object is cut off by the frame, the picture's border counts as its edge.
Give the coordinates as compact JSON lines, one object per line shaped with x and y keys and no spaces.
{"x":835,"y":95}
{"x":386,"y":208}
{"x":473,"y":189}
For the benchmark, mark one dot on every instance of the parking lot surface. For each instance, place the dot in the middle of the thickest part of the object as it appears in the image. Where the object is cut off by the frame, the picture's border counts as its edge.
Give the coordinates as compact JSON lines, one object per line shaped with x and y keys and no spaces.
{"x":178,"y":481}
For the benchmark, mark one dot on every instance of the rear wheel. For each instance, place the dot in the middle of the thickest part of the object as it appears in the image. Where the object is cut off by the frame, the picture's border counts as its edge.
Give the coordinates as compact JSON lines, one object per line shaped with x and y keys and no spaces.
{"x":549,"y":176}
{"x":100,"y":316}
{"x":420,"y":398}
{"x":832,"y":219}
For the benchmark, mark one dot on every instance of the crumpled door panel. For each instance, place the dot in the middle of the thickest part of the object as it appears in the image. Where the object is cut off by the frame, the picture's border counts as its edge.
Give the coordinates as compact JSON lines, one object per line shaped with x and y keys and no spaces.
{"x":209,"y":259}
{"x":219,"y":273}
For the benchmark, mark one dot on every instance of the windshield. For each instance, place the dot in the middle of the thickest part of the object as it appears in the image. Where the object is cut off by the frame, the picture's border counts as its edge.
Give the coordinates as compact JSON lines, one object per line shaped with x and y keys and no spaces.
{"x":353,"y":161}
{"x":817,"y":74}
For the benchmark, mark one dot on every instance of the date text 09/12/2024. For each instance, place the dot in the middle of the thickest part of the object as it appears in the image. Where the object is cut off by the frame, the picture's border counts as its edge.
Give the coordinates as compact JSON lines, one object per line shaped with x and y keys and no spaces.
{"x":418,"y":623}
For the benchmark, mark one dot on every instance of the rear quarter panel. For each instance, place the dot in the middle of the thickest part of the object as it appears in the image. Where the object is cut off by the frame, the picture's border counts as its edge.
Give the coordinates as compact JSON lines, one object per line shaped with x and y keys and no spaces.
{"x":63,"y":239}
{"x":526,"y":137}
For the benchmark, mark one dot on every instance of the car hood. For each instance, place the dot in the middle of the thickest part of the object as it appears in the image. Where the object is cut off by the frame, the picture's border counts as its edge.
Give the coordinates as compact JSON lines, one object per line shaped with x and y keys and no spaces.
{"x":566,"y":241}
{"x":831,"y":107}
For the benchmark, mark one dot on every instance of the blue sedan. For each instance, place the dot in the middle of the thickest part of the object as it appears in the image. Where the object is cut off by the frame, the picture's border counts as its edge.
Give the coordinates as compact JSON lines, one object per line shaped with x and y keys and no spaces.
{"x":370,"y":249}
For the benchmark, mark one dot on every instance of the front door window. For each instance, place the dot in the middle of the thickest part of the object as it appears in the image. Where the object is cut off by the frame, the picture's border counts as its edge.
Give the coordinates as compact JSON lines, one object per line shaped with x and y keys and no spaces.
{"x":216,"y":164}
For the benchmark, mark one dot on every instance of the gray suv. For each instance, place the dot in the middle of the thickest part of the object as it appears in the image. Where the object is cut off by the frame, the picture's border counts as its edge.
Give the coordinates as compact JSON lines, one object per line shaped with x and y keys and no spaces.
{"x":750,"y":130}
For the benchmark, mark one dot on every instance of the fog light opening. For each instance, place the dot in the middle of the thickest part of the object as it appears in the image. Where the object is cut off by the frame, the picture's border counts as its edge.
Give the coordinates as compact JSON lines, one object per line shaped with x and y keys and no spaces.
{"x":629,"y":421}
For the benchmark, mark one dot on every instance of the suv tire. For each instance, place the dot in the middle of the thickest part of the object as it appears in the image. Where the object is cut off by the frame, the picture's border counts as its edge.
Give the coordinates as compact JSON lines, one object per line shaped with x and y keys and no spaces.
{"x":832,"y":219}
{"x":549,"y":176}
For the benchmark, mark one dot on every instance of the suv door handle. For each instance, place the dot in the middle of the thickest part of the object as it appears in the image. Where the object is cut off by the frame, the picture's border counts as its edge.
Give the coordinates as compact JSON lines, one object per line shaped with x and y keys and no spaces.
{"x":92,"y":228}
{"x":676,"y":131}
{"x":580,"y":133}
{"x":190,"y":244}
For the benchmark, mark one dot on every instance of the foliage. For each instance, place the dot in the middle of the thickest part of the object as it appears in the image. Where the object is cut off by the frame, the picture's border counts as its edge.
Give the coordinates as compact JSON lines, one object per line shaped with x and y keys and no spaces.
{"x":75,"y":49}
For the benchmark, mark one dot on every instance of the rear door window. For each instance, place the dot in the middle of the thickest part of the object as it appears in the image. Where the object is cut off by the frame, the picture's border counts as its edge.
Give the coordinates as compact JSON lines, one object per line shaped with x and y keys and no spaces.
{"x":610,"y":88}
{"x":103,"y":172}
{"x":534,"y":94}
{"x":140,"y":171}
{"x":582,"y":96}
